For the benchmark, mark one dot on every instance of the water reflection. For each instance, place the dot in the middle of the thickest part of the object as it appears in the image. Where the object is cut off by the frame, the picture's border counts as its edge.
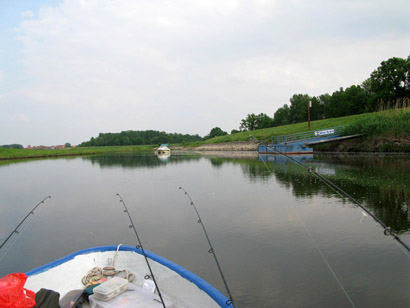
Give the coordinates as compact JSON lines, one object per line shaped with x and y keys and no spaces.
{"x":164,"y":156}
{"x":138,"y":160}
{"x":379,"y":182}
{"x":251,"y":206}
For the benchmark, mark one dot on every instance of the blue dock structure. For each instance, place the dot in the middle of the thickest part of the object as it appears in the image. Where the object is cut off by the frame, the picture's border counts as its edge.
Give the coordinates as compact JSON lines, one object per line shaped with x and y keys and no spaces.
{"x":300,"y":143}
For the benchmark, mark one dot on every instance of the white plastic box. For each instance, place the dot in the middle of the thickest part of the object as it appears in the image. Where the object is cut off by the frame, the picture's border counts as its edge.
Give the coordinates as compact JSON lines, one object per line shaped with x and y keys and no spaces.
{"x":134,"y":297}
{"x":110,"y":288}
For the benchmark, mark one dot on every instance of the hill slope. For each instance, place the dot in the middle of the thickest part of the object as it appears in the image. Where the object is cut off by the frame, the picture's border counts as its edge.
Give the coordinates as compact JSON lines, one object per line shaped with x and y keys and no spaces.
{"x":384,"y":131}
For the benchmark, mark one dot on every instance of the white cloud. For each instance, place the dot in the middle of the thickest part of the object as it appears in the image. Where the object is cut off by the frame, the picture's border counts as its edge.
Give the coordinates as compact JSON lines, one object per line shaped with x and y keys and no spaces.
{"x":324,"y":69}
{"x":20,"y":118}
{"x":27,"y":14}
{"x":187,"y":66}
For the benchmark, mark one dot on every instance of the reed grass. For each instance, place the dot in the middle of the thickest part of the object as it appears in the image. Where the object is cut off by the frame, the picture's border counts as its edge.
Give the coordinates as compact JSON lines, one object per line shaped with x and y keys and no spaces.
{"x":393,"y":122}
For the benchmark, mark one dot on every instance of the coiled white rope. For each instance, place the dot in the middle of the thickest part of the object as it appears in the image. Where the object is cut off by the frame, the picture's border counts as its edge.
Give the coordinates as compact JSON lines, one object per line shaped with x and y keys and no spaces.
{"x":96,"y":274}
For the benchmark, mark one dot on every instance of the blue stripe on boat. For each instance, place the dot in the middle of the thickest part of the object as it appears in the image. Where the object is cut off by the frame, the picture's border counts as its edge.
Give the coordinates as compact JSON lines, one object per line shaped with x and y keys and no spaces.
{"x":202,"y":284}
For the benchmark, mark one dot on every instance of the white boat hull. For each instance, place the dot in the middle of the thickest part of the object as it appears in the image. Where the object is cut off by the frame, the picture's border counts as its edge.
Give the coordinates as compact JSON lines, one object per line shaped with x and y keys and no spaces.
{"x":177,"y":285}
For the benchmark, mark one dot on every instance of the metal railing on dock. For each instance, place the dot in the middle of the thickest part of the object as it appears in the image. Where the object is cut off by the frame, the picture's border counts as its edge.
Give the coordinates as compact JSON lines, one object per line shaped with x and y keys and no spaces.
{"x":310,"y":135}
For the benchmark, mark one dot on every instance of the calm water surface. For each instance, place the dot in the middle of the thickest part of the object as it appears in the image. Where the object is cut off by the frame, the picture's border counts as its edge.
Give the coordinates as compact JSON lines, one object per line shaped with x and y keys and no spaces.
{"x":283,"y":238}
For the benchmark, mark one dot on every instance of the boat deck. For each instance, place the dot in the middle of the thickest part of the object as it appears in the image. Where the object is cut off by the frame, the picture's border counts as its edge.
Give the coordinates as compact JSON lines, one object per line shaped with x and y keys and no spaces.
{"x":133,"y":297}
{"x":175,"y":285}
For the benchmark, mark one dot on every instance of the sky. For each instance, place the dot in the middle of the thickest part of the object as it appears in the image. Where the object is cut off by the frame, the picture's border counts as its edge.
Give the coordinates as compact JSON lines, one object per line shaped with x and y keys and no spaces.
{"x":71,"y":69}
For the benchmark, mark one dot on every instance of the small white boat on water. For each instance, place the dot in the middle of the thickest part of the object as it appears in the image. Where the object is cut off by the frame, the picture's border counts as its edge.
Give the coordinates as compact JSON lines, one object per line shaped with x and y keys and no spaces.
{"x":178,"y":286}
{"x":163,"y":148}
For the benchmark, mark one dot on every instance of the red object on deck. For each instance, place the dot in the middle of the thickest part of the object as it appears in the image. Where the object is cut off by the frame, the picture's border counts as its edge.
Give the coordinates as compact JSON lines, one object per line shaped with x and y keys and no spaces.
{"x":13,"y":294}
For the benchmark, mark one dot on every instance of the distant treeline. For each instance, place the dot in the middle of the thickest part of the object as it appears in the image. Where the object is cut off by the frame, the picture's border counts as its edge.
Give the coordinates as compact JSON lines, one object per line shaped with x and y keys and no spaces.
{"x":139,"y":138}
{"x":387,"y":87}
{"x":12,"y":146}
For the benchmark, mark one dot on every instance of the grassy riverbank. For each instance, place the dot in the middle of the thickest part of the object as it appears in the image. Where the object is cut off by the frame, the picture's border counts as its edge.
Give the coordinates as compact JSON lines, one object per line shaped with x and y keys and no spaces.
{"x":25,"y":153}
{"x":384,"y":131}
{"x":387,"y":131}
{"x":394,"y":122}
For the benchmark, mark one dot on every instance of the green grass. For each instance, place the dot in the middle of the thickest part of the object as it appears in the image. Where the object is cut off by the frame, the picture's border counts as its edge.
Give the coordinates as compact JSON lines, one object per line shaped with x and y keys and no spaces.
{"x":25,"y":153}
{"x":383,"y":123}
{"x":393,"y":121}
{"x":267,"y":133}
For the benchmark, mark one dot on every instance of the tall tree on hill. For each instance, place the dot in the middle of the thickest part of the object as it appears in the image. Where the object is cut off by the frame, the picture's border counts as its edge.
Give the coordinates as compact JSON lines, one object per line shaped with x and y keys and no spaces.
{"x":215,"y":132}
{"x":342,"y":103}
{"x":249,"y":123}
{"x":317,"y":109}
{"x":388,"y":82}
{"x":355,"y":100}
{"x":252,"y":122}
{"x":298,"y":108}
{"x":282,"y":116}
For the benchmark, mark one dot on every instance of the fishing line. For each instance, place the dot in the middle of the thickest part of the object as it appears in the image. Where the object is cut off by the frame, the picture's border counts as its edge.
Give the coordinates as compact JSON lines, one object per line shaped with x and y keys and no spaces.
{"x":323,"y":257}
{"x":15,"y":231}
{"x":211,"y":250}
{"x":139,"y":246}
{"x":340,"y":191}
{"x":319,"y":250}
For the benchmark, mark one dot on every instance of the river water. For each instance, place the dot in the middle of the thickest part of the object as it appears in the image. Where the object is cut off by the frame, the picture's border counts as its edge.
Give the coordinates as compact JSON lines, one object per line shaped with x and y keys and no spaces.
{"x":282,"y":237}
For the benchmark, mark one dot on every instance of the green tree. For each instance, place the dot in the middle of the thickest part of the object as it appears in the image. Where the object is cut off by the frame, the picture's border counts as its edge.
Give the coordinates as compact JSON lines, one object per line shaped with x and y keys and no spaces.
{"x":317,"y":109}
{"x":252,"y":122}
{"x":12,"y":146}
{"x":139,"y":137}
{"x":334,"y":104}
{"x":388,"y":82}
{"x":215,"y":132}
{"x":282,"y":116}
{"x":298,"y":109}
{"x":264,"y":121}
{"x":67,"y":145}
{"x":249,"y":123}
{"x":355,"y":100}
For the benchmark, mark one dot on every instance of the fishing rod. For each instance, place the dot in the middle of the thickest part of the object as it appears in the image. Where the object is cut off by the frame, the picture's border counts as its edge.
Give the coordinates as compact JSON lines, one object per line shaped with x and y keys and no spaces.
{"x":24,"y":219}
{"x":211,"y":250}
{"x":387,"y":230}
{"x":139,"y":246}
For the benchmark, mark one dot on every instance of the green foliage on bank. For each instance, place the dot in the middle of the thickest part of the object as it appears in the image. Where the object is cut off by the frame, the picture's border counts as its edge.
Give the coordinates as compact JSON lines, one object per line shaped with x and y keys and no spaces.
{"x":390,"y":122}
{"x":395,"y":122}
{"x":26,"y":153}
{"x":12,"y":146}
{"x":387,"y":87}
{"x":131,"y":137}
{"x":267,"y":133}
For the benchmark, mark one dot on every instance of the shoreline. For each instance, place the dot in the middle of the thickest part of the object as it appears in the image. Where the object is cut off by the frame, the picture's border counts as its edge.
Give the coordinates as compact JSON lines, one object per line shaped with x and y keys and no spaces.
{"x":47,"y":156}
{"x":380,"y":145}
{"x":241,"y":146}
